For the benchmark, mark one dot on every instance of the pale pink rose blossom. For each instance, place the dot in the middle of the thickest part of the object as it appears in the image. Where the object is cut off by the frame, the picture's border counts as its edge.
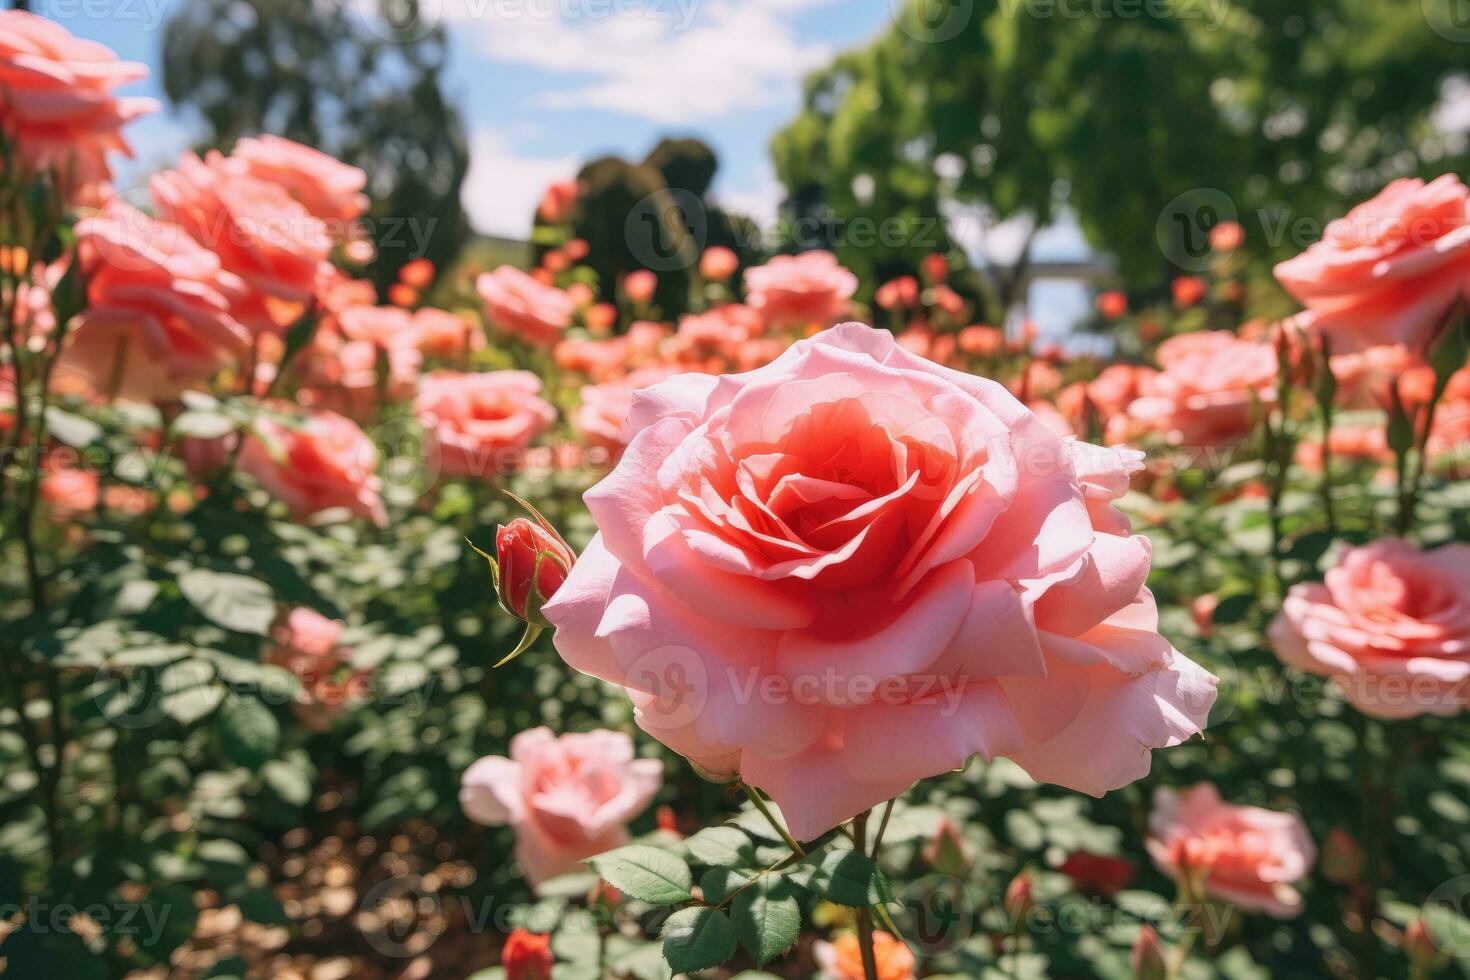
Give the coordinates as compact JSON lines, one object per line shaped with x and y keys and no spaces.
{"x":1391,"y":624}
{"x":309,"y":645}
{"x":57,"y":102}
{"x":1209,"y":392}
{"x":1248,"y":856}
{"x":864,"y":568}
{"x":318,"y":463}
{"x":159,"y":317}
{"x":1390,"y":270}
{"x":479,"y":425}
{"x":567,"y":798}
{"x":328,"y":188}
{"x":810,"y":289}
{"x":523,"y":307}
{"x":260,"y":233}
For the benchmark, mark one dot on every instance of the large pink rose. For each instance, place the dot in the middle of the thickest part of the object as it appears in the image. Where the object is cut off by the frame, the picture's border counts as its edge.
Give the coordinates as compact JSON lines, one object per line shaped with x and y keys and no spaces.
{"x":801,"y":290}
{"x":481,"y":424}
{"x":520,"y":305}
{"x":1248,"y":856}
{"x":57,"y":101}
{"x":1389,"y":270}
{"x":852,"y":569}
{"x":260,"y":233}
{"x":1391,"y":623}
{"x":566,"y":798}
{"x":328,"y":188}
{"x":159,"y":318}
{"x":322,"y":462}
{"x":1208,"y":392}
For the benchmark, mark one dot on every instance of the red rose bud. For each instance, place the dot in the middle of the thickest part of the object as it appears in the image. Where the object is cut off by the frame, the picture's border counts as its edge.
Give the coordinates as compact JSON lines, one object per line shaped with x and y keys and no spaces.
{"x":1342,"y":858}
{"x":1147,"y":958}
{"x":527,"y":955}
{"x":531,"y":562}
{"x":935,"y":268}
{"x":1020,"y":899}
{"x":1096,"y":874}
{"x":945,"y":852}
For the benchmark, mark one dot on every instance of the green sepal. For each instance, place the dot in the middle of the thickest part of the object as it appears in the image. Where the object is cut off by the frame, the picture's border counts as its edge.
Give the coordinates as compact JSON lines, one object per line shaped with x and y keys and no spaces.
{"x":527,"y":638}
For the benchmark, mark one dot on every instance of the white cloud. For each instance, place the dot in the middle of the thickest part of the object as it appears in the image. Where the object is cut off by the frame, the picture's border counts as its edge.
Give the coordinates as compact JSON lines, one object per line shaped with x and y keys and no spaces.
{"x":501,"y":190}
{"x":669,"y":61}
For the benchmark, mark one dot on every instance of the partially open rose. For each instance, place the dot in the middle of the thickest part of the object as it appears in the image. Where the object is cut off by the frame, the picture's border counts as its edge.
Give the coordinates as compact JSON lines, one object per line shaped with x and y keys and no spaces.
{"x":853,"y":568}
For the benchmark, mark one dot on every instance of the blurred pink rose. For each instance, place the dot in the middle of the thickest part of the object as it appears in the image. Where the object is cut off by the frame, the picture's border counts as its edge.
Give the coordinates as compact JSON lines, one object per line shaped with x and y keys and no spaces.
{"x":159,"y":316}
{"x":1391,"y":623}
{"x":558,"y":201}
{"x":1389,"y":271}
{"x":1002,"y":602}
{"x":1208,"y":392}
{"x":1188,"y":290}
{"x":1247,"y":856}
{"x":602,"y":417}
{"x":640,"y":286}
{"x":317,"y":463}
{"x":519,"y":305}
{"x":308,"y":644}
{"x":1227,"y":236}
{"x":328,"y":188}
{"x":57,"y":101}
{"x":718,"y":263}
{"x":481,"y":424}
{"x":260,"y":233}
{"x":1116,"y":386}
{"x":434,"y":333}
{"x":69,"y":489}
{"x":566,"y":798}
{"x":801,"y":290}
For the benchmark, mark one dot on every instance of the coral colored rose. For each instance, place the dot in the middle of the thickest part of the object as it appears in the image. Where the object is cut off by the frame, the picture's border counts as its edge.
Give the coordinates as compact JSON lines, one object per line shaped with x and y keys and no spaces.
{"x":318,"y":463}
{"x":1116,"y":386}
{"x":982,"y":341}
{"x":640,"y":286}
{"x":527,"y":955}
{"x":417,"y":273}
{"x":1112,"y":304}
{"x":718,"y":263}
{"x":69,"y":490}
{"x":948,"y":301}
{"x":935,"y":268}
{"x":600,"y":360}
{"x":159,"y":315}
{"x":793,"y":563}
{"x":800,"y":290}
{"x":480,"y":424}
{"x":715,"y":336}
{"x":1246,"y":855}
{"x":1352,"y":442}
{"x":434,"y":333}
{"x":518,"y":304}
{"x":1208,"y":392}
{"x":842,"y":959}
{"x":566,"y":798}
{"x":57,"y":102}
{"x":1389,"y":271}
{"x":328,"y":188}
{"x":1187,"y":291}
{"x":1391,"y":623}
{"x":439,"y":333}
{"x":557,"y":202}
{"x":260,"y":233}
{"x":1227,"y":236}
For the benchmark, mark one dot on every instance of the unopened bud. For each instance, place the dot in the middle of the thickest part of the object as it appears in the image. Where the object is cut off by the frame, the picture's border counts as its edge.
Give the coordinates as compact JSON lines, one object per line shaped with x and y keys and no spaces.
{"x":1148,"y":959}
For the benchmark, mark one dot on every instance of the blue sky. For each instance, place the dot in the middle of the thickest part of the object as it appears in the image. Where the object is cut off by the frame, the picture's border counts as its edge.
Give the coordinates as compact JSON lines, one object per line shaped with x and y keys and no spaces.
{"x":545,"y":84}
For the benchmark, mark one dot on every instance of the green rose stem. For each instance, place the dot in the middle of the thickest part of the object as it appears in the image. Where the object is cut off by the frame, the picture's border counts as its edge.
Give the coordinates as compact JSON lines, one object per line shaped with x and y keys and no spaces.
{"x":865,"y":914}
{"x":1326,"y":394}
{"x":760,"y":804}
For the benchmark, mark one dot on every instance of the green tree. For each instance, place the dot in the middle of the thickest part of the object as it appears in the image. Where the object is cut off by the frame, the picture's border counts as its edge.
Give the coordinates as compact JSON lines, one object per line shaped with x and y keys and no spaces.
{"x":360,"y":84}
{"x":1151,"y":122}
